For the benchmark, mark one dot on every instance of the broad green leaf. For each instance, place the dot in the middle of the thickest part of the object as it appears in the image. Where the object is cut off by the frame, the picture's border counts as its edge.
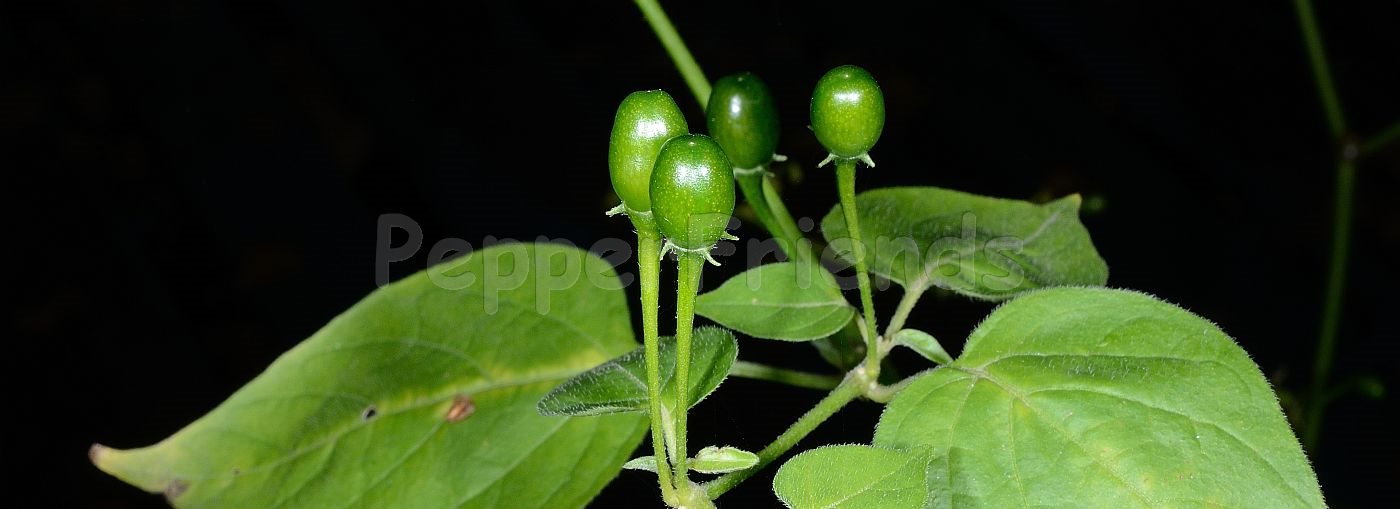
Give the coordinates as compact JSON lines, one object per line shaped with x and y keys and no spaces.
{"x":719,"y":460}
{"x":853,"y":477}
{"x":925,"y":344}
{"x":981,"y":247}
{"x":1083,"y":397}
{"x":788,"y":301}
{"x":421,"y":395}
{"x":619,"y":385}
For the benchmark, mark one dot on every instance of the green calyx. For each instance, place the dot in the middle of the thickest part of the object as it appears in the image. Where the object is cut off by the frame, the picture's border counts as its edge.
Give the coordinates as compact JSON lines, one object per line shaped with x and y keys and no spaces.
{"x":848,"y":112}
{"x":743,"y":118}
{"x":644,"y":122}
{"x":692,"y":192}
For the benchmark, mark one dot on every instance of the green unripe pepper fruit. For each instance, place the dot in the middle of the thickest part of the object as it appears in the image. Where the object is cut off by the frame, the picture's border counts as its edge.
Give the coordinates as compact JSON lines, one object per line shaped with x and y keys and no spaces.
{"x":743,"y":118}
{"x":848,"y":112}
{"x":692,"y":192}
{"x":644,"y":122}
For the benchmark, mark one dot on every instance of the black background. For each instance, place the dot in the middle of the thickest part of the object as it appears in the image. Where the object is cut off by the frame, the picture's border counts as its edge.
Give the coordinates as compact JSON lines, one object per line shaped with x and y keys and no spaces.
{"x":197,"y":183}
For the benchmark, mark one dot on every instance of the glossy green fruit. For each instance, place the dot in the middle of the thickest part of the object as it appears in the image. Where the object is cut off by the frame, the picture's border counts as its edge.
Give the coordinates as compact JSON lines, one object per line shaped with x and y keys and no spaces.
{"x":848,"y":111}
{"x":743,"y":118}
{"x":692,"y":191}
{"x":644,"y":122}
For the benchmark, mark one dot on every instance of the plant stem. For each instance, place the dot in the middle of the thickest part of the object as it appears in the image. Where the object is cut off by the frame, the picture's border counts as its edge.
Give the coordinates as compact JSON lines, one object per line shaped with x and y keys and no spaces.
{"x":848,"y":390}
{"x":649,"y":270}
{"x":1322,"y":74}
{"x":1332,"y":307}
{"x":884,"y":393}
{"x":751,"y":185}
{"x":773,"y":214}
{"x":791,"y":377}
{"x":690,"y":265}
{"x":700,"y":88}
{"x":803,"y":247}
{"x":906,"y":305}
{"x":1341,"y":223}
{"x":690,"y":70}
{"x":846,"y":187}
{"x":1381,"y":139}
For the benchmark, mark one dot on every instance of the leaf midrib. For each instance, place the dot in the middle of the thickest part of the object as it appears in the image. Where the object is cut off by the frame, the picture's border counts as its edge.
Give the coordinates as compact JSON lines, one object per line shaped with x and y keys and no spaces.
{"x":426,"y":402}
{"x":1023,"y":398}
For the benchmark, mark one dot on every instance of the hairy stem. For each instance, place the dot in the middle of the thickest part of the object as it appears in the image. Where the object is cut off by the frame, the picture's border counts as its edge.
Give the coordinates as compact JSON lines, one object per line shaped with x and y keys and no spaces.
{"x":649,"y":269}
{"x":690,"y":266}
{"x":901,"y":313}
{"x":884,"y":393}
{"x":680,"y":54}
{"x":786,"y":376}
{"x":849,"y":389}
{"x":846,"y":187}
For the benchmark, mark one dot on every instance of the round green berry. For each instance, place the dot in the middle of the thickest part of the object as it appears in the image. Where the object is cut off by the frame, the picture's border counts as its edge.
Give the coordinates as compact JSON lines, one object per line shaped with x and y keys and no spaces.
{"x":848,"y":111}
{"x":692,"y":192}
{"x":743,"y":118}
{"x":644,"y":122}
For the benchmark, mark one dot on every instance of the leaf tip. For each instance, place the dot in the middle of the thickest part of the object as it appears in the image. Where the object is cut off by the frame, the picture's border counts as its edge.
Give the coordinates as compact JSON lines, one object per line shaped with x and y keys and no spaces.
{"x":96,"y":453}
{"x":134,"y":468}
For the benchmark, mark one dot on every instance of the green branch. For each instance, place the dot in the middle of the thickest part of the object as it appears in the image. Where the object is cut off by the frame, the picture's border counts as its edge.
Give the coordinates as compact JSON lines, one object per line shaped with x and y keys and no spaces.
{"x":1341,"y":224}
{"x":906,"y":306}
{"x":690,"y":266}
{"x":649,"y":270}
{"x":690,"y":70}
{"x":849,"y":389}
{"x":756,"y":371}
{"x":773,"y":215}
{"x":1332,"y":307}
{"x":1381,"y":139}
{"x":1322,"y":73}
{"x":846,"y":187}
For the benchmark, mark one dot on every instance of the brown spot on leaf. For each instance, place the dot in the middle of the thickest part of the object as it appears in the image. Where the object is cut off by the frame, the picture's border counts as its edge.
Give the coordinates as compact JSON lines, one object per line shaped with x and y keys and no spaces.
{"x":176,"y":488}
{"x":462,"y":408}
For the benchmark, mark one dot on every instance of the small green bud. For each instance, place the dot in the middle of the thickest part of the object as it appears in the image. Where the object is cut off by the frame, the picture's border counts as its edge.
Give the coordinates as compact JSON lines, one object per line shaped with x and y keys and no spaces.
{"x":743,"y":118}
{"x":692,"y":192}
{"x":848,"y":112}
{"x":644,"y":122}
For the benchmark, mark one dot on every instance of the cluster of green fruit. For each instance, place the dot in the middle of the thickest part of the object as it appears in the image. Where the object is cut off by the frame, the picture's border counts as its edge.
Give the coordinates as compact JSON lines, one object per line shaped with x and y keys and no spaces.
{"x":681,"y":185}
{"x":678,"y":188}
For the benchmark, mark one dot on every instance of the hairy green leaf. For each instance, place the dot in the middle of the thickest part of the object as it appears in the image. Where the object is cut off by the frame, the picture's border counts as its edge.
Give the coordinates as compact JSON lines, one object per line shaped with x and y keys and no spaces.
{"x":853,"y":477}
{"x":619,"y":385}
{"x":923,"y":343}
{"x":710,"y":460}
{"x":421,"y":395}
{"x":647,"y":463}
{"x":719,"y":460}
{"x":788,"y":301}
{"x":981,"y":247}
{"x":1082,"y":397}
